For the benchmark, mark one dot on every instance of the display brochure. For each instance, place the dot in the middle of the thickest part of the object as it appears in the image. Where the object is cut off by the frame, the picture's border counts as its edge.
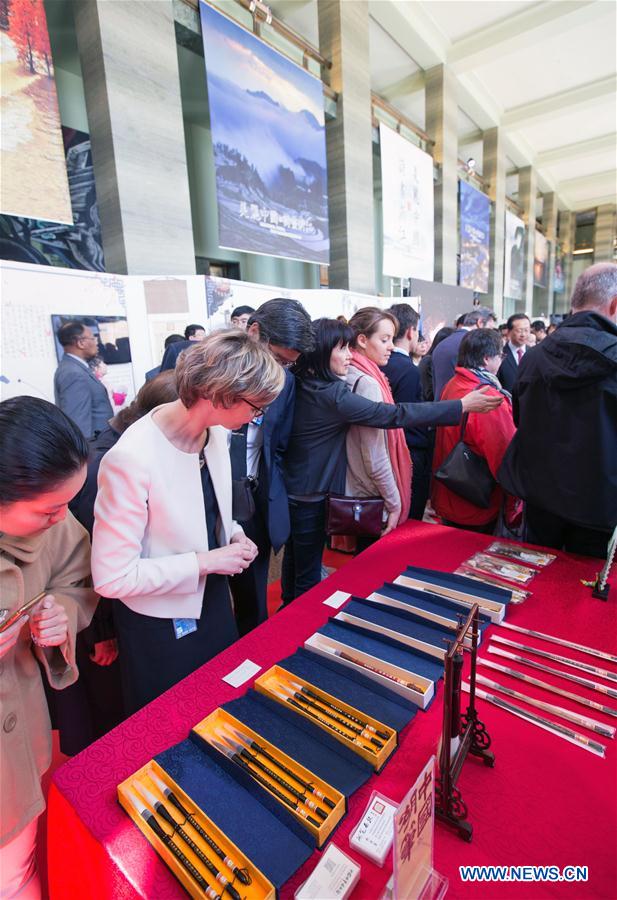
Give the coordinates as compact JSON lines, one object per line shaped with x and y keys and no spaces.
{"x":492,"y":565}
{"x":374,"y":833}
{"x":521,"y":554}
{"x":414,"y":829}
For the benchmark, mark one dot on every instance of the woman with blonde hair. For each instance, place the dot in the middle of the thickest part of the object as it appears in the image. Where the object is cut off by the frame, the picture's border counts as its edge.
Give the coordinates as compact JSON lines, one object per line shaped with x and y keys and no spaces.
{"x":378,"y":460}
{"x":164,"y":539}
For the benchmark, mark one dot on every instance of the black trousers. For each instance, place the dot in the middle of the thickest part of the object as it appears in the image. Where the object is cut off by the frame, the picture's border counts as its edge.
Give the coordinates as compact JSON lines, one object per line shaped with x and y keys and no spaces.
{"x":304,"y":549}
{"x":549,"y":530}
{"x":422,"y":459}
{"x":250,"y":589}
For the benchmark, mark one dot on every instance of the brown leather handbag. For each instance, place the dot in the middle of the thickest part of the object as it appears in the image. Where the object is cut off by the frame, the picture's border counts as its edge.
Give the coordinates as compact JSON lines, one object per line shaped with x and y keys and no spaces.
{"x":354,"y":515}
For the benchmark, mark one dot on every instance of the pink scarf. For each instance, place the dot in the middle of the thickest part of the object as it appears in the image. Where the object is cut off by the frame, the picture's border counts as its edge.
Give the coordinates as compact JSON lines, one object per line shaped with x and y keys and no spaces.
{"x":398,"y":451}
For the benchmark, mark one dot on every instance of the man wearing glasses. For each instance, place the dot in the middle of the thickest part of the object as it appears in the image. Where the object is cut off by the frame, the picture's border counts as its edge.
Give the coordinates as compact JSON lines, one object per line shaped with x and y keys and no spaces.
{"x":257,"y":451}
{"x":77,"y":390}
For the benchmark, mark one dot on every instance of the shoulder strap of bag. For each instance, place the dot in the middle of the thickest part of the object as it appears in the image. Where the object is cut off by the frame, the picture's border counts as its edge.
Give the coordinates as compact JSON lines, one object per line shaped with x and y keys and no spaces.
{"x":463,"y":426}
{"x":360,"y":377}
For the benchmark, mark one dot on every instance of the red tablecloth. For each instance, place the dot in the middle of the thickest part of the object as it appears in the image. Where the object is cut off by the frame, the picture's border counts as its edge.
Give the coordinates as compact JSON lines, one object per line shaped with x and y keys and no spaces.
{"x":546,"y":802}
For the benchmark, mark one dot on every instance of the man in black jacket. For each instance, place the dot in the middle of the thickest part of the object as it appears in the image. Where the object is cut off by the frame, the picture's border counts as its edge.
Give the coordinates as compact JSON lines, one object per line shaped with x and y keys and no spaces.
{"x":514,"y":349}
{"x":563,"y":459}
{"x":404,"y":379}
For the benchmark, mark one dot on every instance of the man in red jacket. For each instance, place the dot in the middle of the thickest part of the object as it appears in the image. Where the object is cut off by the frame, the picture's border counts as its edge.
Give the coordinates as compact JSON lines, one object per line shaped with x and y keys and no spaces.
{"x":479,"y":358}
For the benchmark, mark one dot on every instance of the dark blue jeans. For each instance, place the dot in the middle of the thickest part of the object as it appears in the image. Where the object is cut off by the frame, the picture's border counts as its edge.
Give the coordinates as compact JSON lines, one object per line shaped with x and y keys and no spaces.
{"x":304,"y":549}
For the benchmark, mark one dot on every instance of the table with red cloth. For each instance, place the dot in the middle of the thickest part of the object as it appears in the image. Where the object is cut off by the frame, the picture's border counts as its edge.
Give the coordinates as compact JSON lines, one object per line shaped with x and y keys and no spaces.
{"x":546,"y":802}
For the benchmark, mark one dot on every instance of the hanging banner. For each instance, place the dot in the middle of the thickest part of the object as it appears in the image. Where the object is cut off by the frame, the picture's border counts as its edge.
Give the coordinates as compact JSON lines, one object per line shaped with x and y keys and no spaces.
{"x":34,"y":182}
{"x":559,"y":280}
{"x":514,"y":257}
{"x":77,"y":246}
{"x":475,"y":215}
{"x":408,"y":217}
{"x":540,"y":260}
{"x":269,"y":141}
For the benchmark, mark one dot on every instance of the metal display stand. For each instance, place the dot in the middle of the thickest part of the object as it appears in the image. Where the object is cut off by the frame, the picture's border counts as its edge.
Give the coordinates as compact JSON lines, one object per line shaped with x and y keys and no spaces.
{"x":462,"y":734}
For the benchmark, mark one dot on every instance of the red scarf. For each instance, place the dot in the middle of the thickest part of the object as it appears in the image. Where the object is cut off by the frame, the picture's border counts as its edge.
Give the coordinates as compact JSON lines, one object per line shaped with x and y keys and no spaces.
{"x":398,"y":451}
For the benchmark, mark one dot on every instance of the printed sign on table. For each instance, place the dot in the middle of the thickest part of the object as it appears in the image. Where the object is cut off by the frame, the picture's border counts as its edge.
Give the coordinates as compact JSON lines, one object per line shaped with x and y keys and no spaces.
{"x":475,"y":215}
{"x":408,"y":207}
{"x":414,"y":826}
{"x":269,"y":142}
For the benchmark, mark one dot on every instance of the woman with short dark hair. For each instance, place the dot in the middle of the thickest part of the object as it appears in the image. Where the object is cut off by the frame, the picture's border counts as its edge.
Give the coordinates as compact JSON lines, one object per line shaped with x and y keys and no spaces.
{"x":479,"y":358}
{"x":315,"y":463}
{"x":42,"y":551}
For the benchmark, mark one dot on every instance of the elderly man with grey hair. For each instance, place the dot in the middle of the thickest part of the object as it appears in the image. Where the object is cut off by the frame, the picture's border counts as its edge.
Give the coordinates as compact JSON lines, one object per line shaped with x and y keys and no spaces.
{"x":446,"y":354}
{"x":563,"y":459}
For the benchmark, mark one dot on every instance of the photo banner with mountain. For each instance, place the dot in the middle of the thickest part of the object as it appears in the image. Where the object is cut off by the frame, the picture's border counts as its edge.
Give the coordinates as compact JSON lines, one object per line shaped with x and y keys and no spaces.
{"x":408,"y":210}
{"x":475,"y":215}
{"x":269,"y":142}
{"x":34,"y":182}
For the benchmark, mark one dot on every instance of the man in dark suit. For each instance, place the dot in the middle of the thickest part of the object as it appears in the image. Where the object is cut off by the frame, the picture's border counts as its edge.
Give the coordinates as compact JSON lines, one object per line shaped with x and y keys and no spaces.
{"x":257,"y":452}
{"x":446,"y":354}
{"x":404,"y":378}
{"x":77,"y":390}
{"x":514,"y":350}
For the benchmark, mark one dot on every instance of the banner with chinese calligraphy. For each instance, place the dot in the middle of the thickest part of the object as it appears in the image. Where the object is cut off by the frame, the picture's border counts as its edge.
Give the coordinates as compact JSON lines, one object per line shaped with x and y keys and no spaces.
{"x":414,"y":826}
{"x":78,"y":246}
{"x":514,"y":257}
{"x":34,"y":182}
{"x":475,"y":214}
{"x":269,"y":142}
{"x":540,"y":260}
{"x":408,"y":207}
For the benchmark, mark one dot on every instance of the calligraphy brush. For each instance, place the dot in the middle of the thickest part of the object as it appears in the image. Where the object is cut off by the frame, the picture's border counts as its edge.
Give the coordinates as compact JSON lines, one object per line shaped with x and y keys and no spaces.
{"x":585,"y":721}
{"x":556,"y":657}
{"x":186,"y":864}
{"x":300,"y":687}
{"x":563,"y":731}
{"x":237,"y":759}
{"x":299,"y":695}
{"x":241,"y":874}
{"x":562,"y":641}
{"x":358,"y":662}
{"x":585,"y":682}
{"x":529,"y":679}
{"x":308,"y":712}
{"x":164,"y":813}
{"x":253,"y":745}
{"x":251,"y":758}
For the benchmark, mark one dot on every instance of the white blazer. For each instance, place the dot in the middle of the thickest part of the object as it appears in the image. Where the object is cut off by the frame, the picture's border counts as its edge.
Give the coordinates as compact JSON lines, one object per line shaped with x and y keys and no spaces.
{"x":150,"y":520}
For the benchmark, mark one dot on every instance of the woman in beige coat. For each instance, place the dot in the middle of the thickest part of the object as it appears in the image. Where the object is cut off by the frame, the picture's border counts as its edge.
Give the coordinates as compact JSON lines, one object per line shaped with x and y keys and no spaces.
{"x":42,"y":551}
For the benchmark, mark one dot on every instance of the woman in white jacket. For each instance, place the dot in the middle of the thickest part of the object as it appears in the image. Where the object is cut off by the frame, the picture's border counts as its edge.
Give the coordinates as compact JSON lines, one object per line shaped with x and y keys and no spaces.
{"x":164,"y":540}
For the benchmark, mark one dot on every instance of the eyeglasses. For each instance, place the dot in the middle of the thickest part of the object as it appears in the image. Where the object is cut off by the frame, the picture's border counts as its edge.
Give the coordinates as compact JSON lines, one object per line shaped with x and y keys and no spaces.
{"x":259,"y":411}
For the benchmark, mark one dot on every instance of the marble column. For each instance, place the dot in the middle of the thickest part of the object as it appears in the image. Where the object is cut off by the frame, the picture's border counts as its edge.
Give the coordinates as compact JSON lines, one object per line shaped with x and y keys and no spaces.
{"x":567,"y":237}
{"x":527,"y":191}
{"x":344,"y":39}
{"x":494,"y":171}
{"x":132,"y":89}
{"x":549,"y":223}
{"x":442,"y":128}
{"x":604,"y":235}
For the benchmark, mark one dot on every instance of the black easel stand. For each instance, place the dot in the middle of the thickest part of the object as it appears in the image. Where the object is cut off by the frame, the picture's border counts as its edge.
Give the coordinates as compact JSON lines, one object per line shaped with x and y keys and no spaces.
{"x":473,"y":736}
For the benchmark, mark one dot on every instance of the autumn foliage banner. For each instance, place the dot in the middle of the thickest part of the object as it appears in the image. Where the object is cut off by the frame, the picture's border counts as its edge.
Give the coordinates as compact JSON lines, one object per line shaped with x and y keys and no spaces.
{"x":34,"y":181}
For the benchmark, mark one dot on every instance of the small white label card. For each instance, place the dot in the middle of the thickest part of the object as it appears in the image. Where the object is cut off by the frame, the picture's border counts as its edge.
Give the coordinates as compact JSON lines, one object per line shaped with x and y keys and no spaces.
{"x":414,"y":826}
{"x":334,"y":877}
{"x":337,"y":599}
{"x":374,"y":833}
{"x":242,"y":673}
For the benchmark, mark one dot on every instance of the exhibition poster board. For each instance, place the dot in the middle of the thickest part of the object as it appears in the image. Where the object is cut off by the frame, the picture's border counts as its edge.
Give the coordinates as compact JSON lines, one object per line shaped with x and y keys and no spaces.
{"x":408,"y":207}
{"x":34,"y":182}
{"x":514,"y":257}
{"x":474,"y":219}
{"x":269,"y":142}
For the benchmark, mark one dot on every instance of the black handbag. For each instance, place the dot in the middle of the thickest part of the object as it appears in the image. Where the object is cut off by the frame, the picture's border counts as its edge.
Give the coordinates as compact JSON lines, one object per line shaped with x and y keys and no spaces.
{"x":242,"y":487}
{"x":466,"y":473}
{"x":354,"y":515}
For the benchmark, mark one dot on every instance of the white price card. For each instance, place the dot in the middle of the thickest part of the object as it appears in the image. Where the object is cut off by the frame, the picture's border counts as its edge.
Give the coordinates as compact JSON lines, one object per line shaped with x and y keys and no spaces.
{"x":374,"y":833}
{"x":242,"y":673}
{"x":337,"y":599}
{"x":334,"y":877}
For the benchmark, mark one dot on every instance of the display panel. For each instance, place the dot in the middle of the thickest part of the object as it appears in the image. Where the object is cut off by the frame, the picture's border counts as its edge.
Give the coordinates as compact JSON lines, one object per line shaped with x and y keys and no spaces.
{"x":540,"y":261}
{"x":475,"y":214}
{"x":269,"y":142}
{"x":514,"y":257}
{"x":408,"y":207}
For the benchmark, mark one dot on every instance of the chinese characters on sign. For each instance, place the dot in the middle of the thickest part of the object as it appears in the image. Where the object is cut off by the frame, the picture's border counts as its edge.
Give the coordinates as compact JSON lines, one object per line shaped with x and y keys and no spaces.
{"x":413,"y":842}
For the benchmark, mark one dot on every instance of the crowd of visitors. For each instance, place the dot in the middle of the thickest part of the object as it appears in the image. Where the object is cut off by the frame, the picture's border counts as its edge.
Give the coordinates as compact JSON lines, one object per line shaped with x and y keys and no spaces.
{"x":230,"y":451}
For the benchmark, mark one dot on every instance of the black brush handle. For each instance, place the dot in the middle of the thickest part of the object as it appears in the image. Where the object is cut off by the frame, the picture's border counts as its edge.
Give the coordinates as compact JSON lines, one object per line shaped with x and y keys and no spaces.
{"x":327,"y":724}
{"x":249,"y":757}
{"x":381,"y":734}
{"x":270,"y":787}
{"x":326,"y":712}
{"x":305,"y":784}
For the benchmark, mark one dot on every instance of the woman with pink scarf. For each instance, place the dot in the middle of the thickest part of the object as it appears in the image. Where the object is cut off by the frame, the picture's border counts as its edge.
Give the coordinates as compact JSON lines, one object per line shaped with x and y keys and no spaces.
{"x":378,"y":461}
